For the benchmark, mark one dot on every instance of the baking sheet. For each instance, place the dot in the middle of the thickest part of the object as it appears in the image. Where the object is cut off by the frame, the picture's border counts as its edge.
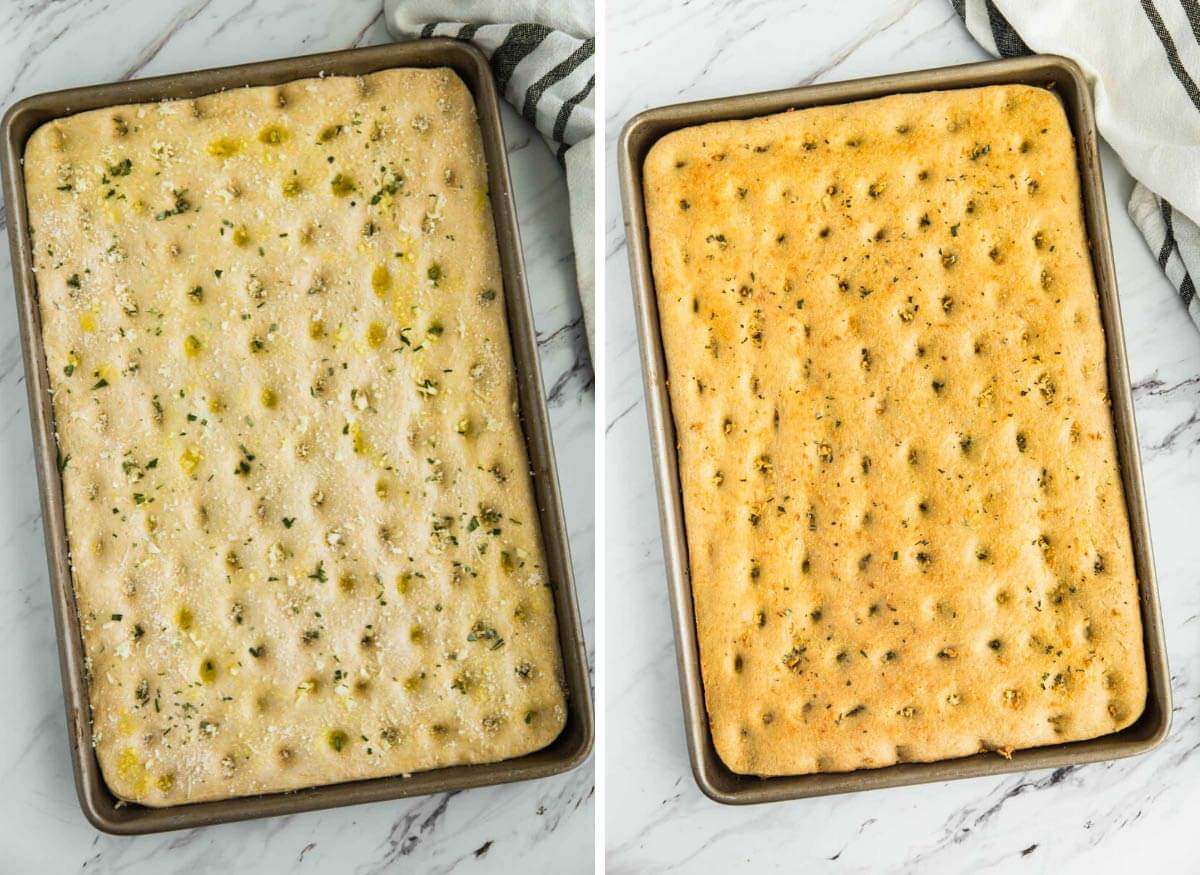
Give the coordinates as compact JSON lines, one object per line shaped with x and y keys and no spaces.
{"x":1065,"y":79}
{"x":103,"y":809}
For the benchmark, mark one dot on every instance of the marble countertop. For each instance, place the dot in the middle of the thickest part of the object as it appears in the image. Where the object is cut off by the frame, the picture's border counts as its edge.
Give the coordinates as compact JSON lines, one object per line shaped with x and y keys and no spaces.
{"x":547,"y":825}
{"x":1096,"y":818}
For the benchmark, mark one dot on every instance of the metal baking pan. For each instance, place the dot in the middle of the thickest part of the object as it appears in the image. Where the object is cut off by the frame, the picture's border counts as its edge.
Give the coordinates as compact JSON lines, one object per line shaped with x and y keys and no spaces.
{"x":1065,"y":79}
{"x":100,"y":806}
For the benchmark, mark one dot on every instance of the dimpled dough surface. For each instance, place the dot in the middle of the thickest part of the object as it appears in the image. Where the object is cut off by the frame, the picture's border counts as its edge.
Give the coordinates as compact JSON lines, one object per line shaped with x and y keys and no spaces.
{"x":303,"y":536}
{"x":906,"y":527}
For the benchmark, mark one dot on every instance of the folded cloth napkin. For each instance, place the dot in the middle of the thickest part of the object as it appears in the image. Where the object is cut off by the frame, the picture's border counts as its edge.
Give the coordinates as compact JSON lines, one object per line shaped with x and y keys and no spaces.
{"x":1142,"y":60}
{"x":543,"y":56}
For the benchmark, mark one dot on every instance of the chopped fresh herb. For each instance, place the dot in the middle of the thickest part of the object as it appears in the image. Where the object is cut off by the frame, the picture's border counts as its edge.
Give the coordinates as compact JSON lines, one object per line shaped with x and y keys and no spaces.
{"x":73,"y":281}
{"x":139,"y":498}
{"x":196,"y":293}
{"x":287,"y":521}
{"x":243,"y":466}
{"x":319,"y":575}
{"x":390,"y":186}
{"x":100,"y":384}
{"x":434,"y":273}
{"x":181,"y":206}
{"x":481,"y":632}
{"x":118,"y":617}
{"x":121,"y":168}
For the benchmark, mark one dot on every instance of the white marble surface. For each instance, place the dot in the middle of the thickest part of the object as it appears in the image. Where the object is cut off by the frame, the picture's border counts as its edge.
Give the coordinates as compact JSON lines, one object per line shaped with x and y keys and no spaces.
{"x":1100,"y":818}
{"x":537,"y":826}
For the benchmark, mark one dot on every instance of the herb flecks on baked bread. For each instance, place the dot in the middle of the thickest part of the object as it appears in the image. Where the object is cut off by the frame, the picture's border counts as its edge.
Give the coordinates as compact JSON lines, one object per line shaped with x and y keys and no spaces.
{"x":906,"y":529}
{"x":303,"y":536}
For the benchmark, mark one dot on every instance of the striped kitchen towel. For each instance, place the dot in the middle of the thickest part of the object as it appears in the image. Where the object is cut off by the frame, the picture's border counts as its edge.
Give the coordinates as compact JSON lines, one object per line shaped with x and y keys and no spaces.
{"x":543,"y":56}
{"x":1142,"y":59}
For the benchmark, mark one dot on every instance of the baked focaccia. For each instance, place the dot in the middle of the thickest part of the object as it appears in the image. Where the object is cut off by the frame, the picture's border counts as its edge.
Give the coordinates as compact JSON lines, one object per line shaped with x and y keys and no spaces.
{"x":906,"y":529}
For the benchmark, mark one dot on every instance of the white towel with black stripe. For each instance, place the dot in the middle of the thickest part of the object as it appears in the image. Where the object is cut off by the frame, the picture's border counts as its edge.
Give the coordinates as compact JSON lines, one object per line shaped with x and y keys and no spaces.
{"x":543,"y":56}
{"x":1142,"y":59}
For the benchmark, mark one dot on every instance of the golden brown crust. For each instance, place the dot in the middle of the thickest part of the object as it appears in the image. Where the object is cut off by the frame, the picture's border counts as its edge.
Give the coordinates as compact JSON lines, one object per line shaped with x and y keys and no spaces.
{"x":906,"y":526}
{"x":304,"y":541}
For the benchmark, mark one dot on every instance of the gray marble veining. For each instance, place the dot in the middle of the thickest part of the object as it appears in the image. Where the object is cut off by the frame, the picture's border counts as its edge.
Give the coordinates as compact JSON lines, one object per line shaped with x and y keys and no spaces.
{"x":548,"y":824}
